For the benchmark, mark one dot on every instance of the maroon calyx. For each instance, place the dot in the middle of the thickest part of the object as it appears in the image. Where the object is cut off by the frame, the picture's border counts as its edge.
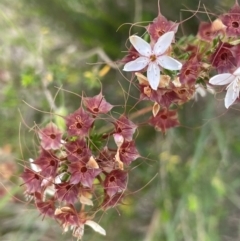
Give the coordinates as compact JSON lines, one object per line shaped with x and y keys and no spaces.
{"x":48,"y":163}
{"x":165,"y":119}
{"x":131,"y":55}
{"x":190,"y":71}
{"x":223,"y":58}
{"x":97,"y":104}
{"x":128,"y":152}
{"x":111,"y":202}
{"x":79,"y":123}
{"x":77,"y":150}
{"x":32,"y":180}
{"x":115,"y":182}
{"x":160,"y":26}
{"x":81,"y":173}
{"x":50,"y":137}
{"x":46,"y":207}
{"x":125,"y":127}
{"x":232,"y":21}
{"x":67,"y":192}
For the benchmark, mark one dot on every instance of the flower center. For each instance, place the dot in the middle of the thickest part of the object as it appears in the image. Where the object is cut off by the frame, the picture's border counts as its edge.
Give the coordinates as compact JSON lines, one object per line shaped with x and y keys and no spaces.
{"x":52,"y":163}
{"x":187,"y":72}
{"x":95,"y":109}
{"x":235,"y":24}
{"x":79,"y":151}
{"x":36,"y":177}
{"x":160,"y":32}
{"x":224,"y":56}
{"x":83,"y":169}
{"x":207,"y":33}
{"x":164,"y":117}
{"x":112,"y":179}
{"x":53,"y":136}
{"x":153,"y":57}
{"x":119,"y":130}
{"x":78,"y":125}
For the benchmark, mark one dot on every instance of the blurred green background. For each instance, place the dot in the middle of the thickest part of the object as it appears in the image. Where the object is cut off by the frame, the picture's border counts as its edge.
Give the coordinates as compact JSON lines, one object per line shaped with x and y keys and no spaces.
{"x":45,"y":44}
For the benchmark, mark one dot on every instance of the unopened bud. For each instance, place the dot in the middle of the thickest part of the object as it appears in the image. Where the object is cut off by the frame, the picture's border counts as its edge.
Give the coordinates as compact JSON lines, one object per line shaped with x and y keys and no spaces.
{"x":118,"y":138}
{"x":155,"y":109}
{"x":92,"y":163}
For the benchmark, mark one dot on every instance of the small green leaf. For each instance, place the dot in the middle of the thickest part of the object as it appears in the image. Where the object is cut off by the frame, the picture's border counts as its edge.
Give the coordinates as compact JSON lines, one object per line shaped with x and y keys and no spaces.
{"x":193,"y":204}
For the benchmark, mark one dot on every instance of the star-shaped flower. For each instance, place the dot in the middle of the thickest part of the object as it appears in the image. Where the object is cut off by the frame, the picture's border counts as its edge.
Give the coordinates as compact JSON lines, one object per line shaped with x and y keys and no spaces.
{"x":233,"y":88}
{"x":153,"y":57}
{"x":50,"y":137}
{"x":70,"y":218}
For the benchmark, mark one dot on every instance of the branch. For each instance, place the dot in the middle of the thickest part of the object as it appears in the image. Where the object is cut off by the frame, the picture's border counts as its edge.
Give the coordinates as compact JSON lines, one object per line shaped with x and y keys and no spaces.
{"x":102,"y":55}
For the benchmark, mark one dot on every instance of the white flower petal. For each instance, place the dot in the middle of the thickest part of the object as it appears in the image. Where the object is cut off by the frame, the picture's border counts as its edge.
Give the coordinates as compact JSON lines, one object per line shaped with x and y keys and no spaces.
{"x":153,"y":75}
{"x":85,"y":200}
{"x":163,"y":43}
{"x":155,"y":109}
{"x":231,"y":95}
{"x":210,"y":89}
{"x":58,"y":178}
{"x":222,"y":79}
{"x":119,"y":139}
{"x":34,"y":166}
{"x":199,"y":90}
{"x":137,"y":64}
{"x":78,"y":231}
{"x":169,"y":63}
{"x":237,"y":71}
{"x":96,"y":227}
{"x":141,"y":45}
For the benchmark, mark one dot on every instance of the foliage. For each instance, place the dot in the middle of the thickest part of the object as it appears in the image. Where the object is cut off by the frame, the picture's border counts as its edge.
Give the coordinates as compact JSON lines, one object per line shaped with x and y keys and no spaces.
{"x":45,"y":46}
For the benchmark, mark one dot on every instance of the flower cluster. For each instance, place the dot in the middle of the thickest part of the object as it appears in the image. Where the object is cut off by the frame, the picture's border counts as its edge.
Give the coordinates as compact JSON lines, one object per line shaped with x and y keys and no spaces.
{"x":75,"y":165}
{"x":169,"y":82}
{"x":225,"y":58}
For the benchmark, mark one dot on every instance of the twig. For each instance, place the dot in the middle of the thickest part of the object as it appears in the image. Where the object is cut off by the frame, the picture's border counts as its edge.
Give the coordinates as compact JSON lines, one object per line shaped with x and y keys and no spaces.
{"x":48,"y":95}
{"x":138,"y":11}
{"x":131,"y":117}
{"x":101,"y":54}
{"x":154,"y":225}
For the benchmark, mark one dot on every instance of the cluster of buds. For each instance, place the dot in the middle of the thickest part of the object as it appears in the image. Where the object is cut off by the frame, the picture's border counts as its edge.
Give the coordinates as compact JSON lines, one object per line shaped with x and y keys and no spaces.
{"x":76,"y":168}
{"x":77,"y":165}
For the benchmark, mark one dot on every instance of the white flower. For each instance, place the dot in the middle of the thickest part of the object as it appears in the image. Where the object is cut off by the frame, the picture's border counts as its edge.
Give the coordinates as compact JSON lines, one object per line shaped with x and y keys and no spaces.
{"x":233,"y":88}
{"x":78,"y":231}
{"x":154,"y":58}
{"x":202,"y":91}
{"x":96,"y":227}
